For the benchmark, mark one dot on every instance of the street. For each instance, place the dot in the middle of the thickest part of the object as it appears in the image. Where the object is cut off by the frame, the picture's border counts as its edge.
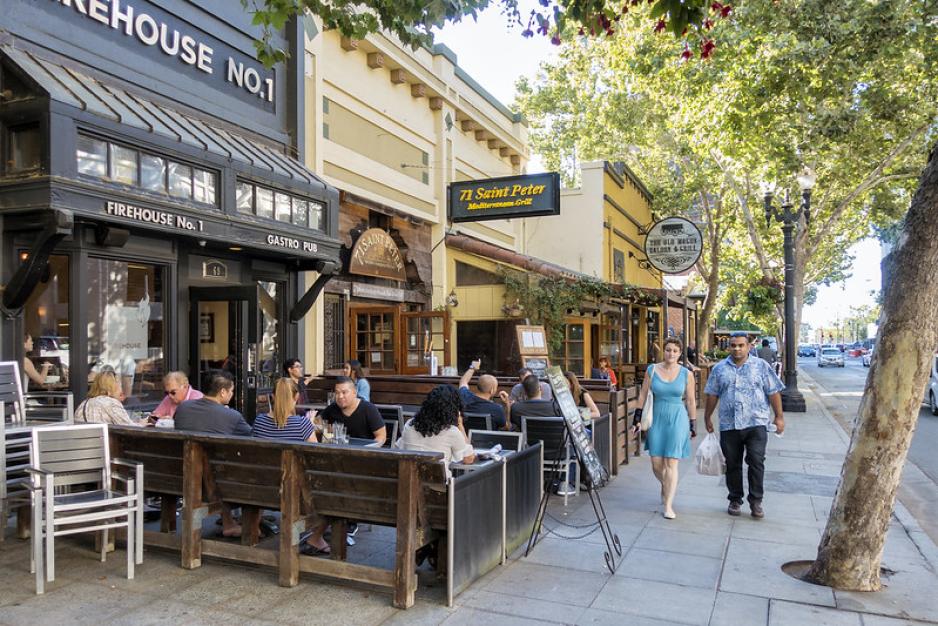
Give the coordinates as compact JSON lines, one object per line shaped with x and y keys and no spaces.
{"x":841,"y":390}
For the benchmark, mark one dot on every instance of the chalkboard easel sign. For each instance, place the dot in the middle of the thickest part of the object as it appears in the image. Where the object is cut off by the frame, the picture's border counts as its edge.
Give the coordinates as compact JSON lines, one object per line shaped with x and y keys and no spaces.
{"x":575,"y":426}
{"x":537,"y":364}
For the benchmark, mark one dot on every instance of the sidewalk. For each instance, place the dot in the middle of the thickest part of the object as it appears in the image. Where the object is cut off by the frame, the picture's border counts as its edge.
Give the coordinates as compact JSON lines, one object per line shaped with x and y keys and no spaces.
{"x":702,"y":568}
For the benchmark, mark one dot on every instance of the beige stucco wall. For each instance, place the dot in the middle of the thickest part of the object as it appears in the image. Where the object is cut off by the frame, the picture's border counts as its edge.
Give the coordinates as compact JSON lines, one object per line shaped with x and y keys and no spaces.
{"x":386,"y":145}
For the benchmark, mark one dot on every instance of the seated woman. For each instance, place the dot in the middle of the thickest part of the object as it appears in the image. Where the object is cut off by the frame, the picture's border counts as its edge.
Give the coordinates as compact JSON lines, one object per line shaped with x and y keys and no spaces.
{"x":581,"y":396}
{"x":103,"y":405}
{"x":282,"y":422}
{"x":437,"y":427}
{"x":353,"y":369}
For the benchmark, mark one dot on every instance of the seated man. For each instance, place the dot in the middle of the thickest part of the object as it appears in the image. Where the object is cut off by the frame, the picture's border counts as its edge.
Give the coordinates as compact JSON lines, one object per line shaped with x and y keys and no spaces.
{"x":360,"y":417}
{"x":481,"y":402}
{"x":210,"y":414}
{"x":536,"y":406}
{"x":517,"y":392}
{"x":178,"y":390}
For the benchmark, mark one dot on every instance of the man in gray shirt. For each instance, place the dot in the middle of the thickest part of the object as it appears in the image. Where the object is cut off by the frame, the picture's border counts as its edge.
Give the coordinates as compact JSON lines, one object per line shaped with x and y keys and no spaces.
{"x":211,"y":413}
{"x":517,"y":392}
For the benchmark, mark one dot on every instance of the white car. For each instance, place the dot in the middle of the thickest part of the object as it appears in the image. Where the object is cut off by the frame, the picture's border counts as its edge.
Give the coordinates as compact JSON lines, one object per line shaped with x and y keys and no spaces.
{"x":867,"y":358}
{"x":830,"y":356}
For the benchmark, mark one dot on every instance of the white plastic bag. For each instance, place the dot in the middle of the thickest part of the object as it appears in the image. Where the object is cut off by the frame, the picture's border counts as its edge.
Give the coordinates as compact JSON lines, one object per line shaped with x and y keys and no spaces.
{"x":709,"y":457}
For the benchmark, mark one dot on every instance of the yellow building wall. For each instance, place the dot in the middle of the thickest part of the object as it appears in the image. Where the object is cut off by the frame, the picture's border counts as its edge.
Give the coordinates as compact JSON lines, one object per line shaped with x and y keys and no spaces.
{"x":621,"y":195}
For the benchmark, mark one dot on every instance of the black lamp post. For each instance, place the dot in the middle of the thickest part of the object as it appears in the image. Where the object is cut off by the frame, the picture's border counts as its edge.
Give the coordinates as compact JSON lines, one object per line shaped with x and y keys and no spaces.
{"x":792,"y":400}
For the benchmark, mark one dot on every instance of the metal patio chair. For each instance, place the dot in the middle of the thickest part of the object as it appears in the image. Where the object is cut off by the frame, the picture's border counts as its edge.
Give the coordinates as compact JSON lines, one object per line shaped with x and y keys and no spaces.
{"x":550,"y":431}
{"x":476,"y":421}
{"x":71,"y":492}
{"x":510,"y":442}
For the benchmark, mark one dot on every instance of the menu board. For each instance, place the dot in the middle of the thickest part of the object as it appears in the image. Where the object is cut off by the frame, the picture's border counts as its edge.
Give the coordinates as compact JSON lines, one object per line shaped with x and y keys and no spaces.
{"x":581,"y":439}
{"x":537,"y":364}
{"x":532,"y":340}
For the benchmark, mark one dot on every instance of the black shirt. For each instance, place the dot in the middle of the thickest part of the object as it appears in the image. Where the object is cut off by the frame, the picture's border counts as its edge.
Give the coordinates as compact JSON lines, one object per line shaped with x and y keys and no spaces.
{"x":361,"y":424}
{"x":207,"y":416}
{"x":532,"y":408}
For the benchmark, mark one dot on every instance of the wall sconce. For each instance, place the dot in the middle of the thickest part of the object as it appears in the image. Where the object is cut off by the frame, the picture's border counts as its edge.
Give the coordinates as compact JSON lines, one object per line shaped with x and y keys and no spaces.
{"x":451,"y":299}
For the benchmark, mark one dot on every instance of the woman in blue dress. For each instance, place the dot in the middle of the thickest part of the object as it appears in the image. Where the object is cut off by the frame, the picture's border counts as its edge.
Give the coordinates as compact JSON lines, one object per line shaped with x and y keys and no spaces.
{"x":674,"y":414}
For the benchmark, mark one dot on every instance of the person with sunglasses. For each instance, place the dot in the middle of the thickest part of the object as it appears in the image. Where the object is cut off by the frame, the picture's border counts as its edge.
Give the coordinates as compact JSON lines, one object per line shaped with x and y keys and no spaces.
{"x":178,"y":390}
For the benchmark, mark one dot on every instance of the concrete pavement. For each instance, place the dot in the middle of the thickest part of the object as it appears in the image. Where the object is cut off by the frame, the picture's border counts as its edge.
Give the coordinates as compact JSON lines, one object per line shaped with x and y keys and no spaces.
{"x":702,"y":568}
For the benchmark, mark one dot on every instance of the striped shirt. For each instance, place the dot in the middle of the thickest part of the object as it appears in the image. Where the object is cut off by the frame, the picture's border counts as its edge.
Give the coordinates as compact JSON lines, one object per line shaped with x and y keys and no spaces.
{"x":297,"y":428}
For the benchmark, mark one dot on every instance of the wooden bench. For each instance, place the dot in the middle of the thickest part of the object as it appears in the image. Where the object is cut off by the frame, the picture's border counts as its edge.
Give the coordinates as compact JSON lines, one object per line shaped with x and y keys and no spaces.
{"x":308,"y":482}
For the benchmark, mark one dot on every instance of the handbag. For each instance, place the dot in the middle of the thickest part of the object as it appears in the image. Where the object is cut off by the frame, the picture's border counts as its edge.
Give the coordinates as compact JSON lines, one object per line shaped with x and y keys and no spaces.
{"x":649,"y":408}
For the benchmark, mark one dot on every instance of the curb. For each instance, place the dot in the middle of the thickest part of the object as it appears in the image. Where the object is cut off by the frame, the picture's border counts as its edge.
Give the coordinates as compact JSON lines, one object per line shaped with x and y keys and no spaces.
{"x":917,"y":535}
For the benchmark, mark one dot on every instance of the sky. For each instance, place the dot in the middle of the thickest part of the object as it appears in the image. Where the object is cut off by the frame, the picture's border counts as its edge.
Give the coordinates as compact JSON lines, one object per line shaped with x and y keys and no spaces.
{"x":482,"y":49}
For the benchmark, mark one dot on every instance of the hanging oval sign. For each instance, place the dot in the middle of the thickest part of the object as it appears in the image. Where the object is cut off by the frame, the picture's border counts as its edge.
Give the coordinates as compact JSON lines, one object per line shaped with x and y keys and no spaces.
{"x":673,"y":245}
{"x":376,"y":254}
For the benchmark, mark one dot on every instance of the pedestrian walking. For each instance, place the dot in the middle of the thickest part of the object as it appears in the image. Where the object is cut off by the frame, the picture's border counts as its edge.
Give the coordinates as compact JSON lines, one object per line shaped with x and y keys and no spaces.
{"x":674,"y":415}
{"x":747,"y":390}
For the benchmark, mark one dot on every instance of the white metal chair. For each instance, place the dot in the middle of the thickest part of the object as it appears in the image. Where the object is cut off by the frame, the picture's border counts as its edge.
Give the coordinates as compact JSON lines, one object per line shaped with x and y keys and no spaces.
{"x":78,"y":458}
{"x":20,"y":406}
{"x":550,"y":431}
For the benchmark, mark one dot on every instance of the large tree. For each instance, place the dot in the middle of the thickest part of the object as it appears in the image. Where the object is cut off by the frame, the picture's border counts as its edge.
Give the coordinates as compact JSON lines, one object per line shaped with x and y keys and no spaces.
{"x":846,"y":86}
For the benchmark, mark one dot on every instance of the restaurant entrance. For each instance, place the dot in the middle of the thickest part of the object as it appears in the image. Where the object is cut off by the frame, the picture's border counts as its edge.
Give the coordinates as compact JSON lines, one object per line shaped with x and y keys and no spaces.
{"x":234,"y":328}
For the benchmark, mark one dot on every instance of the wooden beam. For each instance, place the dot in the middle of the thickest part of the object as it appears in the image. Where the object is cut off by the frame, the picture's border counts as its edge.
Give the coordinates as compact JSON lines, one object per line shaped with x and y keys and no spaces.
{"x":193,"y":460}
{"x":493,"y":143}
{"x":436,"y":104}
{"x":467,"y":125}
{"x":250,"y":525}
{"x":418,"y":90}
{"x":348,"y":44}
{"x":480,"y":135}
{"x":405,"y":579}
{"x":291,"y":473}
{"x":397,"y":76}
{"x":347,"y":571}
{"x":516,"y":159}
{"x":375,"y":60}
{"x":504,"y":151}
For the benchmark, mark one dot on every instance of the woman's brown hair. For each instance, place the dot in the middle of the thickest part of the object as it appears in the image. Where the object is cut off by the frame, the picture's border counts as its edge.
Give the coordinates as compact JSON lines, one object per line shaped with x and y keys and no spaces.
{"x":675,"y":341}
{"x":284,"y":401}
{"x":574,"y":385}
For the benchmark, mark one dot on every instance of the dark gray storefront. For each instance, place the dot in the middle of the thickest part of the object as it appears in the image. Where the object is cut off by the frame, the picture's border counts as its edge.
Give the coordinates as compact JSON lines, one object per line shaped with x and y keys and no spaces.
{"x":152,"y":217}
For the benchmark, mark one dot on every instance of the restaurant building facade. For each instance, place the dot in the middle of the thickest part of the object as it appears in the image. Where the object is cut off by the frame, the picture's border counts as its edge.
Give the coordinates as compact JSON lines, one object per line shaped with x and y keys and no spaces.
{"x":392,"y":128}
{"x":154,"y":213}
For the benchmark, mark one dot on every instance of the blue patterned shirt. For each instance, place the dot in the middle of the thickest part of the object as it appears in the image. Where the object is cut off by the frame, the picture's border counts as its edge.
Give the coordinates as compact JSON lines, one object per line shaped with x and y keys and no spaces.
{"x":744,"y":392}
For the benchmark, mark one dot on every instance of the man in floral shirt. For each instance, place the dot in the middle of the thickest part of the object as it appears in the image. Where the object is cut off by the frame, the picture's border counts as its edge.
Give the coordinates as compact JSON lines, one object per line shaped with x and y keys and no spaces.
{"x":746,"y":387}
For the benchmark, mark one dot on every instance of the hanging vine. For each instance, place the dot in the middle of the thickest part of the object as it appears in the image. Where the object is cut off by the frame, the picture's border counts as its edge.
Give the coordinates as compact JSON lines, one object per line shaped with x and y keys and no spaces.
{"x":546,"y":301}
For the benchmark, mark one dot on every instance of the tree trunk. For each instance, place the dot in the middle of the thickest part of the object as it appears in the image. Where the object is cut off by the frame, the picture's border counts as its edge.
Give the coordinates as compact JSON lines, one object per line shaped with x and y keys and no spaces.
{"x":710,"y":302}
{"x":850,"y":551}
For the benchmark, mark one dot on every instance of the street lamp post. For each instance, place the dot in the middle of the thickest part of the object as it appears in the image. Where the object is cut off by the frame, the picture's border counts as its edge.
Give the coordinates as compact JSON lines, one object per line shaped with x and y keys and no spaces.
{"x":789,"y":216}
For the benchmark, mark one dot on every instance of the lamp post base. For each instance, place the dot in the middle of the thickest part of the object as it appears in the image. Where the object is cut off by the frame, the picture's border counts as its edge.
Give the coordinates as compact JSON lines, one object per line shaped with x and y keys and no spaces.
{"x":793,"y":401}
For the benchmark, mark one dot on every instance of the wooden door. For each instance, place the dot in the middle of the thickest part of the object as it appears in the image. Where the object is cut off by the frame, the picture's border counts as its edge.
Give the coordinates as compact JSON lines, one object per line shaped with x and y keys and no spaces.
{"x":374,"y":338}
{"x":422,"y":334}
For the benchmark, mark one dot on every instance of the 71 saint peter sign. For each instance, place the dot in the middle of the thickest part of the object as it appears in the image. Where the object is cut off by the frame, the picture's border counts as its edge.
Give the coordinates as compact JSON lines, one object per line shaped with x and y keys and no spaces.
{"x":673,"y":245}
{"x":506,"y":197}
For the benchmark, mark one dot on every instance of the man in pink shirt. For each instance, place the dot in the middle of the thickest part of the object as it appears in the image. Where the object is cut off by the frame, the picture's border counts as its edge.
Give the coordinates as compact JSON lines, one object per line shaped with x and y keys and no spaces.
{"x":178,"y":390}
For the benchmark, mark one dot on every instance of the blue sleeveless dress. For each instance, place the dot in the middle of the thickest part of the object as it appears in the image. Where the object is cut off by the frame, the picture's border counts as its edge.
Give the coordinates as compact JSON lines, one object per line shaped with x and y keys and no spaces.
{"x":669,"y":435}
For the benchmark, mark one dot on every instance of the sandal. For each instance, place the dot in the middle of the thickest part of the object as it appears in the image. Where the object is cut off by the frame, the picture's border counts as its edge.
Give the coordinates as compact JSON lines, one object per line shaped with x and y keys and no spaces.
{"x":311,"y":550}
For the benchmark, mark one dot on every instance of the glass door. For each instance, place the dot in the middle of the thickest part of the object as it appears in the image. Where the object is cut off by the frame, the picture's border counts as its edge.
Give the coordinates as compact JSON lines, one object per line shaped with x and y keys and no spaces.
{"x":224,"y":334}
{"x":424,"y":334}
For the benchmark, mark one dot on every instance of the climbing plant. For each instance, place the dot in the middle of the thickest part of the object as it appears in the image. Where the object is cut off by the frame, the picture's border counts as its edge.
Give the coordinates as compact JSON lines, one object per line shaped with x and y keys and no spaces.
{"x":548,"y":300}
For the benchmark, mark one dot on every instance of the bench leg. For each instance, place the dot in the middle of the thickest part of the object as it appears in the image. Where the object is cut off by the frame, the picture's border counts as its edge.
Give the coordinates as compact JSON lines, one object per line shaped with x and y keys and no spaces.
{"x":250,"y":525}
{"x":338,"y":546}
{"x":167,"y":514}
{"x":291,"y":473}
{"x":193,"y":510}
{"x":405,"y":576}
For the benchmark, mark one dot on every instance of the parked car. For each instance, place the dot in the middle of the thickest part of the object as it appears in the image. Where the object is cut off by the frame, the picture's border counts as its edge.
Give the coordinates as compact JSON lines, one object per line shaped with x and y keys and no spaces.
{"x":806,"y":350}
{"x":931,"y":395}
{"x":830,"y":356}
{"x":867,"y":357}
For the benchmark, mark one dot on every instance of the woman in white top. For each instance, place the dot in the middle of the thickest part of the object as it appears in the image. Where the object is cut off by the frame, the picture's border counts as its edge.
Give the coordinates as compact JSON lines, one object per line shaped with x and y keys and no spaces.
{"x":103,"y":405}
{"x":437,"y":427}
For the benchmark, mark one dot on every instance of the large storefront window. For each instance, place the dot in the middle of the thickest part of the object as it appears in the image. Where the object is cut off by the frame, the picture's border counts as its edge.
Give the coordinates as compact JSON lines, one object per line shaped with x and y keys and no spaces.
{"x":47,"y":322}
{"x":652,"y":335}
{"x":125,"y":326}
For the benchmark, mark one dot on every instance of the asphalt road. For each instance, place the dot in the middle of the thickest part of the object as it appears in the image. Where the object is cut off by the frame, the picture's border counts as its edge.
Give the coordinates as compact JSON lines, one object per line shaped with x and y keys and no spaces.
{"x":841,"y":390}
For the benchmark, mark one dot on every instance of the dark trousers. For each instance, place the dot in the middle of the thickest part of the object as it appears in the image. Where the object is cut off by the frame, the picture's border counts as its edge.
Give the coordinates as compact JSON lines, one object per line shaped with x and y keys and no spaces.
{"x":733,"y":443}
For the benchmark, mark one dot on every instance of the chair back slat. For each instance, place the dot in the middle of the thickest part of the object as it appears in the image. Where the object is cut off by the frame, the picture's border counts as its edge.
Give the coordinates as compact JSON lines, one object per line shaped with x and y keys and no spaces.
{"x":393,"y":416}
{"x":491,"y":438}
{"x":477,"y":421}
{"x":548,"y":430}
{"x":76,"y":454}
{"x":11,"y":391}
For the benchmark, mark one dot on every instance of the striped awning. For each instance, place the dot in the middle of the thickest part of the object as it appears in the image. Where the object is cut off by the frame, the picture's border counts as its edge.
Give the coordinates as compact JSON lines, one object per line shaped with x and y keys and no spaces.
{"x":112,"y":102}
